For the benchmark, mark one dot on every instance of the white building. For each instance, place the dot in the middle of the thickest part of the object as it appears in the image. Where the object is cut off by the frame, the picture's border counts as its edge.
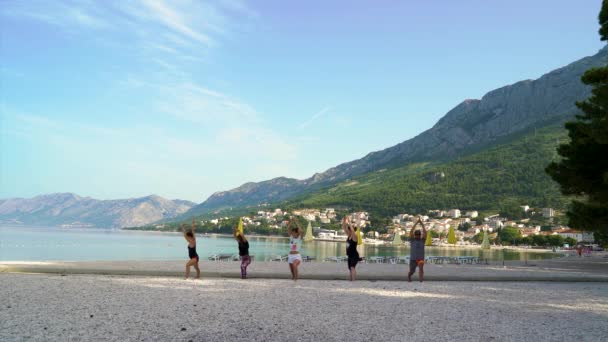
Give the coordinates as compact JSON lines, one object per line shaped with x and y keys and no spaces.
{"x":525,"y":208}
{"x":455,"y":213}
{"x":588,"y":237}
{"x":569,"y":233}
{"x":310,"y":217}
{"x":472,"y":214}
{"x":548,"y":212}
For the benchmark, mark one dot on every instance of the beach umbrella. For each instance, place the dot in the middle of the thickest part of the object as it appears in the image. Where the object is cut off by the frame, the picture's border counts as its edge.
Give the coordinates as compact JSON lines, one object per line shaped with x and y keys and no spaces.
{"x":240,"y":226}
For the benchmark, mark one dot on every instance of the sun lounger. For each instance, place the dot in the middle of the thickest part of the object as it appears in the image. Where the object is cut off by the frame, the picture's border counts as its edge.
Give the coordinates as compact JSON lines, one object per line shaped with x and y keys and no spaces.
{"x":279,"y":258}
{"x":377,"y":259}
{"x":337,"y":259}
{"x":221,"y":257}
{"x":308,"y":258}
{"x":403,"y":260}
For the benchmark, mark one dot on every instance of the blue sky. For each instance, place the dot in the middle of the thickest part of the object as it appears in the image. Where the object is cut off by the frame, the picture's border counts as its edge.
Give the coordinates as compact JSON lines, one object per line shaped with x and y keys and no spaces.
{"x":119,"y":99}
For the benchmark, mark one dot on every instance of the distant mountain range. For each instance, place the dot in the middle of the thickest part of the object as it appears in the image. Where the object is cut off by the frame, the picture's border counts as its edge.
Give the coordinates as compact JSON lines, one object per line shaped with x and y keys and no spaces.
{"x":471,"y":125}
{"x":70,"y":210}
{"x":487,"y":151}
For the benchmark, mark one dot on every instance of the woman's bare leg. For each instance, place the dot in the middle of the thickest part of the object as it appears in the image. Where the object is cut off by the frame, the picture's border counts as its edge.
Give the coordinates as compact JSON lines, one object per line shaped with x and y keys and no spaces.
{"x":198,"y":270}
{"x":296,"y":263}
{"x":188,"y":264}
{"x":292,"y":273}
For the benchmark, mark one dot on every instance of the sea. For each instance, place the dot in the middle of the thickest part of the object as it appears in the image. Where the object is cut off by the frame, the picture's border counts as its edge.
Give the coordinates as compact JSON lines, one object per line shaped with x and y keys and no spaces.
{"x":18,"y":243}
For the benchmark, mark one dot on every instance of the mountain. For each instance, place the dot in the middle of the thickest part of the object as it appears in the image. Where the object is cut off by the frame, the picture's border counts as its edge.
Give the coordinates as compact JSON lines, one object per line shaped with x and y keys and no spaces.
{"x":502,"y":176}
{"x":471,"y":125}
{"x":72,"y":210}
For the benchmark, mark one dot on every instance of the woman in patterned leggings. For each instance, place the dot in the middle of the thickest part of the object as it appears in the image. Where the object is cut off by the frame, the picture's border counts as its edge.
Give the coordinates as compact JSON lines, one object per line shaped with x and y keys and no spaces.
{"x":243,"y":252}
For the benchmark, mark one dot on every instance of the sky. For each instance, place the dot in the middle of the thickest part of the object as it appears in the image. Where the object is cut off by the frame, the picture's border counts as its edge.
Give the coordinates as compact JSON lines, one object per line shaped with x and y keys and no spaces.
{"x":121,"y":99}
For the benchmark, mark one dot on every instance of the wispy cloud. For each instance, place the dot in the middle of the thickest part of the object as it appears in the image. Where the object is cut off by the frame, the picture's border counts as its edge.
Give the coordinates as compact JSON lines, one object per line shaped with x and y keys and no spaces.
{"x":314,"y":117}
{"x":175,"y":20}
{"x":165,"y":42}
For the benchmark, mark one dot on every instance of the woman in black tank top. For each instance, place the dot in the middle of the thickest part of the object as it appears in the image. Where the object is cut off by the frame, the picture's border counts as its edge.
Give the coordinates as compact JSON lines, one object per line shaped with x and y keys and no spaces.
{"x":191,"y":238}
{"x":243,"y":251}
{"x":351,"y":248}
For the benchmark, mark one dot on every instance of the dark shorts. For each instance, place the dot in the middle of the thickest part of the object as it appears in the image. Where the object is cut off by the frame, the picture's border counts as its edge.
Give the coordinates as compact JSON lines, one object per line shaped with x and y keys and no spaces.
{"x":413,"y":265}
{"x":353,"y":261}
{"x":194,"y":257}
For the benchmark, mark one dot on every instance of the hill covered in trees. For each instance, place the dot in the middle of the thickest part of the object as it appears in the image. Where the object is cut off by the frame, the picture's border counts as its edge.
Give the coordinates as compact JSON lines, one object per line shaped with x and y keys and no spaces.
{"x":504,"y":175}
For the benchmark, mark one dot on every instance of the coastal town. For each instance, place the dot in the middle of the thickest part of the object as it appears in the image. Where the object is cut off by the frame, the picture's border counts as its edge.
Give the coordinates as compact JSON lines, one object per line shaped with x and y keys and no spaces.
{"x":535,"y":226}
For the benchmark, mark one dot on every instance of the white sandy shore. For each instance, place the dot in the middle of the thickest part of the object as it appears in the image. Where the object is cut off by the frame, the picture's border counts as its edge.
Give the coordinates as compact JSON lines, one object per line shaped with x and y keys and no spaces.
{"x":117,"y":308}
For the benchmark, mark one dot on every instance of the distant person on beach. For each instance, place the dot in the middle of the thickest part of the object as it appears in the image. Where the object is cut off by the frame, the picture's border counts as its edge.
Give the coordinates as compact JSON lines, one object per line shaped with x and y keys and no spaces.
{"x":417,"y":238}
{"x":191,"y":238}
{"x":243,"y":251}
{"x":351,"y":248}
{"x":295,"y":243}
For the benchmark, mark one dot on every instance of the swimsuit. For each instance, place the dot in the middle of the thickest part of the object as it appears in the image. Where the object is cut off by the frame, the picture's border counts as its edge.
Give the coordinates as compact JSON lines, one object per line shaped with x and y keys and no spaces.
{"x":192,"y":252}
{"x":351,"y":252}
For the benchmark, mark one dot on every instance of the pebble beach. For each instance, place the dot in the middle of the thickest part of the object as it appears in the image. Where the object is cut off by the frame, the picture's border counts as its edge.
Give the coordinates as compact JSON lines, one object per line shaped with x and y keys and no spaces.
{"x":54,"y":307}
{"x":553,"y":300}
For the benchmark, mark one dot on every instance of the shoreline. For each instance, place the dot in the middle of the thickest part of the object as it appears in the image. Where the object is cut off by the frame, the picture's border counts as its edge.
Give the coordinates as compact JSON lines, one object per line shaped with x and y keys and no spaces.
{"x":565,"y":269}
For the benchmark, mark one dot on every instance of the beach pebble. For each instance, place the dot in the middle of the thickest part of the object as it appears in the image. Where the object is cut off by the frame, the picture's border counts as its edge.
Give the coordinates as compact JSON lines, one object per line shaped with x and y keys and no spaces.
{"x":148,"y":308}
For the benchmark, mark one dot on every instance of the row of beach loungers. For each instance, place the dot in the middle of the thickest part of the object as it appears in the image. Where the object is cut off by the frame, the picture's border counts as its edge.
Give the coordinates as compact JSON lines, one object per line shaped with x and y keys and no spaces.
{"x":373,"y":259}
{"x":305,"y":258}
{"x":236,"y":257}
{"x":406,"y":259}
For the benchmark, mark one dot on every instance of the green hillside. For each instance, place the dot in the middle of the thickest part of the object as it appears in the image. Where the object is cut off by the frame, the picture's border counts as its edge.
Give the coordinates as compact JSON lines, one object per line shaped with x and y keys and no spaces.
{"x":503,"y":175}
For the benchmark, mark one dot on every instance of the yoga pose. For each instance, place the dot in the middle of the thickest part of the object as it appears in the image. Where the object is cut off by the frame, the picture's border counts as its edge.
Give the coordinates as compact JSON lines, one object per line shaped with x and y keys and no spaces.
{"x":351,"y":248}
{"x":417,"y":250}
{"x":191,"y":238}
{"x":243,"y":251}
{"x":295,"y":242}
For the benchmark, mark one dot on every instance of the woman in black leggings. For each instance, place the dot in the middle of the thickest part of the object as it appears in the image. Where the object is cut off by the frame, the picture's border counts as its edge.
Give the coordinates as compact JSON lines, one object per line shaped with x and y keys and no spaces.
{"x":351,"y":248}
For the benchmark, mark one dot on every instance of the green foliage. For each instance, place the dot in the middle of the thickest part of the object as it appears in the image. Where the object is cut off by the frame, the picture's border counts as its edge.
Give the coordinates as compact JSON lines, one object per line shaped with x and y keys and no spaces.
{"x":527,"y":240}
{"x":486,"y":180}
{"x":512,"y":210}
{"x":485,"y":240}
{"x":583,"y":169}
{"x":570,"y":241}
{"x":555,"y":240}
{"x":464,"y":226}
{"x":452,"y":236}
{"x":603,"y":20}
{"x":539,"y":240}
{"x":509,"y":235}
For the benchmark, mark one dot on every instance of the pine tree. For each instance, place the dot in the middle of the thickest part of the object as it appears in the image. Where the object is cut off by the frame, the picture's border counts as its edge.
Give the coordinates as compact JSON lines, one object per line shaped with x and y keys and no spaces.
{"x":452,"y":236}
{"x":308,"y":236}
{"x":583,"y":170}
{"x":485,"y":244}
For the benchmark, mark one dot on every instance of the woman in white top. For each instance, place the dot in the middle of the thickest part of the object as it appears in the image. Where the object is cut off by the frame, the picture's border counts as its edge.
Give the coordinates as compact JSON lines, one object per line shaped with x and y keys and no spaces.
{"x":295,"y":242}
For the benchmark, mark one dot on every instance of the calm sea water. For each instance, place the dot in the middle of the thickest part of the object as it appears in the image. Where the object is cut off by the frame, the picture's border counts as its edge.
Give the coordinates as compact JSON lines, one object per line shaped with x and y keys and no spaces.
{"x":45,"y":244}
